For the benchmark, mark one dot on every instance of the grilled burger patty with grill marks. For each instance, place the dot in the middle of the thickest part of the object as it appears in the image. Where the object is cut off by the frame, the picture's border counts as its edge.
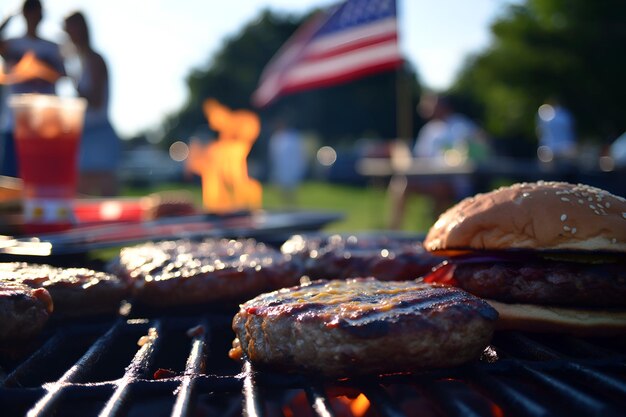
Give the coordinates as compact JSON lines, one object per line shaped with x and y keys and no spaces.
{"x":75,"y":291}
{"x":362,"y":326}
{"x":182,"y":272}
{"x":389,"y":257}
{"x":23,"y":311}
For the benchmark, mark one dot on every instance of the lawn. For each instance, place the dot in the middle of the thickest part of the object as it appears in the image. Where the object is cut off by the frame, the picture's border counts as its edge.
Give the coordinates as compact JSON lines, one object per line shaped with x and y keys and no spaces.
{"x":364,"y":208}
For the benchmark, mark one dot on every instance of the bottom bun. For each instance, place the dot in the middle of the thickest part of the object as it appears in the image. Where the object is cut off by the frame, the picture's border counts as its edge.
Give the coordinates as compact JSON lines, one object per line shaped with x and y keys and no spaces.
{"x":578,"y":322}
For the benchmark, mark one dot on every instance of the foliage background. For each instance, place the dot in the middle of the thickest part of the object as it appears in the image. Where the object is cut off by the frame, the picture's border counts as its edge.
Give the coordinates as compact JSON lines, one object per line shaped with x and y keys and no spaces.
{"x":570,"y":49}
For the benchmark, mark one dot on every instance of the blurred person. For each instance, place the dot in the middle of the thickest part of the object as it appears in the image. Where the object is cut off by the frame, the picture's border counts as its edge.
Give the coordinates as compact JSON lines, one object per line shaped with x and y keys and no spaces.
{"x":448,"y":136}
{"x":555,"y":131}
{"x":617,"y":151}
{"x":448,"y":130}
{"x":12,"y":51}
{"x":287,"y":155}
{"x":100,"y":147}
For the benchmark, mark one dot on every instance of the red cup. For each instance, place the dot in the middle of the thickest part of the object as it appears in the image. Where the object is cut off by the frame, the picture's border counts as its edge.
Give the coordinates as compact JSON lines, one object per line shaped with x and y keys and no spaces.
{"x":47,"y":137}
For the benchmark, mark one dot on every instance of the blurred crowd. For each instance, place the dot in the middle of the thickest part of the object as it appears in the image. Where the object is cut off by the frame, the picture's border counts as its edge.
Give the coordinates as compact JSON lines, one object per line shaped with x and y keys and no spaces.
{"x":100,"y":145}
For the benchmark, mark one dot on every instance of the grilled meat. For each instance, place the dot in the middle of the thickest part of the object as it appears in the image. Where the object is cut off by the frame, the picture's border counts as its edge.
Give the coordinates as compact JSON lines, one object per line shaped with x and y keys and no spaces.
{"x":213,"y":270}
{"x":362,"y":326}
{"x":385,"y":257}
{"x":23,"y":311}
{"x":75,"y":291}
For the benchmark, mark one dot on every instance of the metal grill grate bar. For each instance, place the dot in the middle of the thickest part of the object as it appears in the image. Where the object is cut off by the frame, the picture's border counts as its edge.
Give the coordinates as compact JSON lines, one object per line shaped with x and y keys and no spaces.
{"x":194,"y":366}
{"x":137,"y":368}
{"x":40,"y":358}
{"x":452,"y":404}
{"x":600,"y":380}
{"x":319,"y":401}
{"x":85,"y":363}
{"x":539,"y":376}
{"x":581,"y":372}
{"x":586,"y":348}
{"x":574,"y":398}
{"x":252,"y":406}
{"x":508,"y":397}
{"x":380,"y":399}
{"x":53,"y":344}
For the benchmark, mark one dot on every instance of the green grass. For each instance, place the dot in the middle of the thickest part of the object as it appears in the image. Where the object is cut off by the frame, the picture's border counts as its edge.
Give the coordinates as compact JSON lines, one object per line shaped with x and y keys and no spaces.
{"x":363,"y":208}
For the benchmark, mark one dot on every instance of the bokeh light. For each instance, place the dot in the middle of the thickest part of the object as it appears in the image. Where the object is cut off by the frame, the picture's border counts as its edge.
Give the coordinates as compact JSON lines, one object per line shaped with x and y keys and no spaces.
{"x":545,"y":154}
{"x":606,"y":163}
{"x":326,"y":156}
{"x":546,"y":112}
{"x":179,"y":151}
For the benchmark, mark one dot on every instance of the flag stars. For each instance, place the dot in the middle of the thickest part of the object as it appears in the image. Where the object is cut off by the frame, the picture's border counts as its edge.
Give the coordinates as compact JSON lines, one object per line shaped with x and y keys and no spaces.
{"x":336,"y":50}
{"x":357,"y":12}
{"x":385,"y":6}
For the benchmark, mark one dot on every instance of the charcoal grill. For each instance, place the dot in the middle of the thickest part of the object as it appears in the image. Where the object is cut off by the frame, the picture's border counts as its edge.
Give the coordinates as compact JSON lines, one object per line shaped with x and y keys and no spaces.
{"x":97,"y":368}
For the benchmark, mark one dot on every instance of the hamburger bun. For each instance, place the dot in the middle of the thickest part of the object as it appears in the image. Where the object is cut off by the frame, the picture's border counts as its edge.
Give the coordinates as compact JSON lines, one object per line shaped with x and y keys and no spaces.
{"x":547,"y":319}
{"x":547,"y":237}
{"x":542,"y":216}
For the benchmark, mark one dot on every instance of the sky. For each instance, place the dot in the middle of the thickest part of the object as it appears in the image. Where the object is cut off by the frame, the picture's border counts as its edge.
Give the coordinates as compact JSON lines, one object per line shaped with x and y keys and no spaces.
{"x":152,"y":45}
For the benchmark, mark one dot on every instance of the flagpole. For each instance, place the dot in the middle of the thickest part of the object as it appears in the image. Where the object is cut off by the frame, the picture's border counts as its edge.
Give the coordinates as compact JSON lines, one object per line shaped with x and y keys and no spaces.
{"x":404,"y":111}
{"x":401,"y":155}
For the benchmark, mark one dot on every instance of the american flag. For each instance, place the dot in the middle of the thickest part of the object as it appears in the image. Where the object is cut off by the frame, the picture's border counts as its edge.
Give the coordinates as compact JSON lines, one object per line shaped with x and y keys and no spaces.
{"x":353,"y":39}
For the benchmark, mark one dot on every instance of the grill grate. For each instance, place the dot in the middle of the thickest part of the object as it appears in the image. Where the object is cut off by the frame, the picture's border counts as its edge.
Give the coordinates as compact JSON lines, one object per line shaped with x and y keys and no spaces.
{"x":98,"y":369}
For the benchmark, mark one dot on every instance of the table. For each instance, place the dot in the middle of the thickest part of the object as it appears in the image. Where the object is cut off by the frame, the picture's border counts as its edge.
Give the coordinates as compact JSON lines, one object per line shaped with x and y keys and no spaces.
{"x":400,"y":170}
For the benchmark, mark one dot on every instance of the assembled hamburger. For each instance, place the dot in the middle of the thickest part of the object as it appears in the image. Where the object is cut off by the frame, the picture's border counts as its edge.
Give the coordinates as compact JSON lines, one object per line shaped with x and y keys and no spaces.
{"x":549,"y":256}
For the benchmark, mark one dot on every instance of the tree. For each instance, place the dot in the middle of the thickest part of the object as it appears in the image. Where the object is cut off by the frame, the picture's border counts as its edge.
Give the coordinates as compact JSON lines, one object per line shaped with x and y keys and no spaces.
{"x":566,"y":48}
{"x":232,"y":74}
{"x":341,"y":113}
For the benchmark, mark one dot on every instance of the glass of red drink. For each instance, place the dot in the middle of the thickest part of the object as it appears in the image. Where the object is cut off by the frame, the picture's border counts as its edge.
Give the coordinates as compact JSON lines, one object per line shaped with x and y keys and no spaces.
{"x":47,"y":137}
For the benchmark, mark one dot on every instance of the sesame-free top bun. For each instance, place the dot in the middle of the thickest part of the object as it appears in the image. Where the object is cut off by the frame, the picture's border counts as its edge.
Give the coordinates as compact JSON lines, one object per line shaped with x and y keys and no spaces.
{"x":541,"y":215}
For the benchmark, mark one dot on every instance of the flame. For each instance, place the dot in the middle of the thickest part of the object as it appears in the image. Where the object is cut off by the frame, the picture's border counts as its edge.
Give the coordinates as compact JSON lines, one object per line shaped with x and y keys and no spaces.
{"x":222,"y":164}
{"x":29,"y":68}
{"x":358,"y":406}
{"x":342,"y":405}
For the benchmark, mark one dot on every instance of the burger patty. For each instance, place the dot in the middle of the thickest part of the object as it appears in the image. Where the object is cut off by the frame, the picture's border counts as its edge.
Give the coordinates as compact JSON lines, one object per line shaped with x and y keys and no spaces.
{"x":74,"y":291}
{"x":362,"y":326}
{"x":547,"y":283}
{"x":23,"y":311}
{"x":183,"y":271}
{"x":385,"y":257}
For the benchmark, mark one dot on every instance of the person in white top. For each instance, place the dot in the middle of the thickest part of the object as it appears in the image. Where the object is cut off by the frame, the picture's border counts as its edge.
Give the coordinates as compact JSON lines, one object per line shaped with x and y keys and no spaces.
{"x":450,"y":137}
{"x":100,"y":148}
{"x":445,"y":130}
{"x":12,"y":51}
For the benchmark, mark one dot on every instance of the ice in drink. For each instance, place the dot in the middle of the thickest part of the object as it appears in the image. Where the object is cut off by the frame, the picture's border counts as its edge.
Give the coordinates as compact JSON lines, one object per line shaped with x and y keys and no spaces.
{"x":47,"y":137}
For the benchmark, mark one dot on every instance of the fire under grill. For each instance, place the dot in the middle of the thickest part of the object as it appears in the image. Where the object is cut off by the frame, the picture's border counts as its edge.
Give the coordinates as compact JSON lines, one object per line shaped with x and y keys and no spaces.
{"x":176,"y":364}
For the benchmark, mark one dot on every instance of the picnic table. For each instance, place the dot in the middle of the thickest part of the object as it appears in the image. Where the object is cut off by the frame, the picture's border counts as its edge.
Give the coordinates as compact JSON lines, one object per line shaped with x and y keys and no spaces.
{"x":398,"y":172}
